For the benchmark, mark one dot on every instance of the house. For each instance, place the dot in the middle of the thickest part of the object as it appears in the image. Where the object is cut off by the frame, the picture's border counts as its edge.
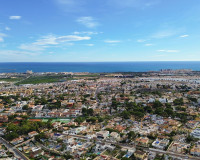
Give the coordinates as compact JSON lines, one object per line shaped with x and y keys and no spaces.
{"x":140,"y":155}
{"x":151,"y":156}
{"x":192,"y":124}
{"x":32,"y":134}
{"x":142,"y":141}
{"x":195,"y":151}
{"x":160,"y":143}
{"x":36,"y":151}
{"x":115,"y":135}
{"x":17,"y":140}
{"x":129,"y":153}
{"x":178,"y":147}
{"x":196,"y":133}
{"x":102,"y":134}
{"x":77,"y":130}
{"x":3,"y":118}
{"x":120,"y":128}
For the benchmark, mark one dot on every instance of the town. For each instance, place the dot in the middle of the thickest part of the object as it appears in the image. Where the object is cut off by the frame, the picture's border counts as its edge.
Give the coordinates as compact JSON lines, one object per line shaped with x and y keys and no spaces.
{"x":101,"y":116}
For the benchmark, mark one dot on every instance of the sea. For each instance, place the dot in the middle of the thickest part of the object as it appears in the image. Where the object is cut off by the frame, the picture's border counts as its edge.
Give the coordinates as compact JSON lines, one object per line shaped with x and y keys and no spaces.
{"x":96,"y":67}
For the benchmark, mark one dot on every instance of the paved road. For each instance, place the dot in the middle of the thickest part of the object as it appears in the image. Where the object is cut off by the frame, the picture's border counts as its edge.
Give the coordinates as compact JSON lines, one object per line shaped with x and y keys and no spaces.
{"x":184,"y":157}
{"x":178,"y":155}
{"x":103,"y":141}
{"x":16,"y":152}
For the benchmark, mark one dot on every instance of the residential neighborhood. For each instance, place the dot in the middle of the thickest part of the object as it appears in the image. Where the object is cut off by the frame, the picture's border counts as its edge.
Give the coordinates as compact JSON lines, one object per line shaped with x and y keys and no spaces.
{"x":144,"y":116}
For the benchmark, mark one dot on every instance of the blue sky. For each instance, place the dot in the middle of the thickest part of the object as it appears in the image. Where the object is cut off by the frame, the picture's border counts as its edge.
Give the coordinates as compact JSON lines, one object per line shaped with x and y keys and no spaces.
{"x":99,"y":30}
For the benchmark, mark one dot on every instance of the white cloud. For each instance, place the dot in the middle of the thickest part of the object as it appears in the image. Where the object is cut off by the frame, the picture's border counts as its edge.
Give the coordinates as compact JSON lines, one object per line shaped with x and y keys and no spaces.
{"x":89,"y":22}
{"x":132,"y":3}
{"x":184,"y":36}
{"x":2,"y":35}
{"x":16,"y":53}
{"x":90,"y":45}
{"x":164,"y":34}
{"x":7,"y":28}
{"x":31,"y":47}
{"x":70,"y":5}
{"x":88,"y":32}
{"x":141,"y":40}
{"x":68,"y":2}
{"x":148,"y":44}
{"x":169,"y":51}
{"x":159,"y":55}
{"x":112,"y":41}
{"x":1,"y":39}
{"x":169,"y":32}
{"x":15,"y":17}
{"x":53,"y":40}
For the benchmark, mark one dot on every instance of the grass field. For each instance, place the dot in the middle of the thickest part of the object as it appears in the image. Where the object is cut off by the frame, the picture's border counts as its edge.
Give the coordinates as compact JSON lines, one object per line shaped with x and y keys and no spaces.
{"x":10,"y":79}
{"x":43,"y":79}
{"x":57,"y":120}
{"x":53,"y":78}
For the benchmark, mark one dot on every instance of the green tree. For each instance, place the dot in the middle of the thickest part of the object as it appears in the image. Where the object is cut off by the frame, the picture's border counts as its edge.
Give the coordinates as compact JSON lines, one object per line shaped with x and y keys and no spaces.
{"x":131,"y":135}
{"x":25,"y":107}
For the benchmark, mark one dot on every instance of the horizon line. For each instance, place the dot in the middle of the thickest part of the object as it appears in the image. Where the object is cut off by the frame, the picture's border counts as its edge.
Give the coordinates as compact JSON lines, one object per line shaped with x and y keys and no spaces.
{"x":96,"y":61}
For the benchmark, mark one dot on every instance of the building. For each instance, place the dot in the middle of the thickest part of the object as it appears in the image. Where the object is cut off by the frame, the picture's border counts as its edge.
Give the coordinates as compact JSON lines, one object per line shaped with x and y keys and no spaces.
{"x":17,"y":140}
{"x":140,"y":155}
{"x":178,"y":147}
{"x":115,"y":135}
{"x":195,"y":151}
{"x":196,"y":133}
{"x":102,"y":134}
{"x":160,"y":143}
{"x":36,"y":151}
{"x":32,"y":134}
{"x":142,"y":141}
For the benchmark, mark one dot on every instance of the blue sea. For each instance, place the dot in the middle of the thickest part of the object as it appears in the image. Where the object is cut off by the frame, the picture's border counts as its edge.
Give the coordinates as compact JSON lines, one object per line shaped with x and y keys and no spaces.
{"x":97,"y":67}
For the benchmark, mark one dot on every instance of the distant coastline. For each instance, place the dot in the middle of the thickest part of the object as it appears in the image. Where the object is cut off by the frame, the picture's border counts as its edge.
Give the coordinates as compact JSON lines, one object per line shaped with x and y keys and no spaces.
{"x":97,"y":67}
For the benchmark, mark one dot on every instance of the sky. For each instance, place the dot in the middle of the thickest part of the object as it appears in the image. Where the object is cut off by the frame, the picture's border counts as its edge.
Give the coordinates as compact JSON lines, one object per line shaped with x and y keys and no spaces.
{"x":99,"y":30}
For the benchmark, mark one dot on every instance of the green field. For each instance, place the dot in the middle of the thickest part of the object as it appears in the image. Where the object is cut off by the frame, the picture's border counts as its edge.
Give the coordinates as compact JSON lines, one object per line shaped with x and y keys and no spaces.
{"x":57,"y":120}
{"x":43,"y":79}
{"x":52,"y":78}
{"x":10,"y":79}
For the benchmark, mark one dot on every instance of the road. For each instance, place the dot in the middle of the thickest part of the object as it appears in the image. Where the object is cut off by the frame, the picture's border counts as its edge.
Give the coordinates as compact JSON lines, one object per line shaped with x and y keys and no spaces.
{"x":102,"y":141}
{"x":184,"y":157}
{"x":16,"y":152}
{"x":178,"y":155}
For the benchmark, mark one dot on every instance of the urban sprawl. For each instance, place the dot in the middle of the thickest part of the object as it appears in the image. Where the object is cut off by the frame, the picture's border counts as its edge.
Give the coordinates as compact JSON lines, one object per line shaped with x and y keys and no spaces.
{"x":100,"y":116}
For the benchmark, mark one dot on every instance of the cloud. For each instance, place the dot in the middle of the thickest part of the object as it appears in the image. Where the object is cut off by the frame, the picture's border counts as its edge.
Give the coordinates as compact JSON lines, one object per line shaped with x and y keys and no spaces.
{"x":31,"y":47}
{"x":2,"y":35}
{"x":70,"y":5}
{"x":159,"y":55}
{"x":7,"y":28}
{"x":67,"y":2}
{"x":90,"y":45}
{"x":164,"y":34}
{"x":141,"y":40}
{"x":112,"y":41}
{"x":184,"y":36}
{"x":89,"y":22}
{"x":16,"y":53}
{"x":15,"y":17}
{"x":168,"y":51}
{"x":88,"y":32}
{"x":132,"y":3}
{"x":148,"y":44}
{"x":51,"y":40}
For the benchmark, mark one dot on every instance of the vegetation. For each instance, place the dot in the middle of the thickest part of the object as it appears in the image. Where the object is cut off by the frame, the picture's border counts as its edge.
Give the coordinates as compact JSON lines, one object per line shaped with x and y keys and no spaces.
{"x":43,"y":79}
{"x":11,"y":79}
{"x":13,"y":131}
